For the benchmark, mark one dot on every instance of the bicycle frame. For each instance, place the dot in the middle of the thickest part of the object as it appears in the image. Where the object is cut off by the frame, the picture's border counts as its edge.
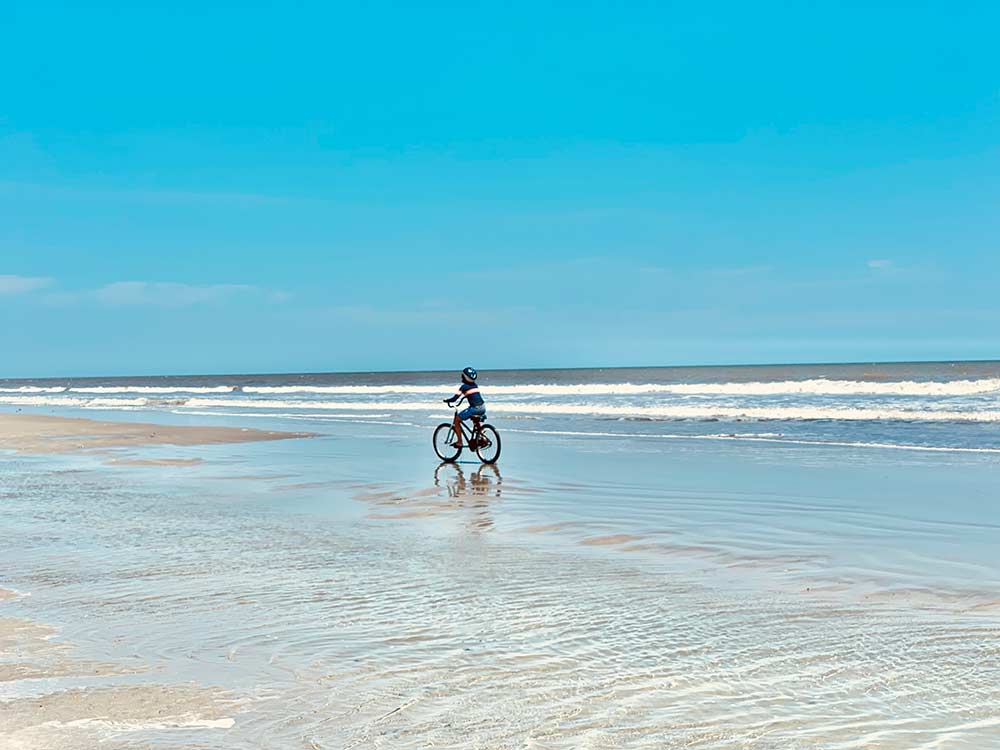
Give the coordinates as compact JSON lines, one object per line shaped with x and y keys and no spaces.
{"x":467,"y":433}
{"x":479,"y":436}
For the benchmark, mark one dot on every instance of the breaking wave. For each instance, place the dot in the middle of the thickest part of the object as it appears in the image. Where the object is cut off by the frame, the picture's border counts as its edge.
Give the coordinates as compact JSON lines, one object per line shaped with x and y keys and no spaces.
{"x":665,"y":412}
{"x":657,"y":412}
{"x":122,"y":389}
{"x":33,"y":389}
{"x":815,"y":386}
{"x":75,"y":402}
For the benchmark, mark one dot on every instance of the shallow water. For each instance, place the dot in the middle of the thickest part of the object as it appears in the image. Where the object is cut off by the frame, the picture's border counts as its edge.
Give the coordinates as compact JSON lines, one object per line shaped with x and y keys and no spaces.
{"x":348,"y":591}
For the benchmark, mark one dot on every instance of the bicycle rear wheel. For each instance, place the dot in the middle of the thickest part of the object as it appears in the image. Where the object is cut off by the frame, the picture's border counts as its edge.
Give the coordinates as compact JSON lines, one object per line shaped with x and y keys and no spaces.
{"x":488,"y":447}
{"x":444,"y":437}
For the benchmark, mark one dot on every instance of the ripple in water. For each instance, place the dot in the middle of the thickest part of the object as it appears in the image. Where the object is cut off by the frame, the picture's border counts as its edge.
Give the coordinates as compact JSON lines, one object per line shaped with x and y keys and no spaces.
{"x":323,"y":634}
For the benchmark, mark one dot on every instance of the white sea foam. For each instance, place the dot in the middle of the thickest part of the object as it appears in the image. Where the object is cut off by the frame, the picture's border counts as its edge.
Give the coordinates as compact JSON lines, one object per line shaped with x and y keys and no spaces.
{"x":761,"y":438}
{"x":657,"y":412}
{"x":75,"y":402}
{"x":33,"y":389}
{"x":123,"y":389}
{"x":823,"y":386}
{"x":816,"y":386}
{"x":664,"y":412}
{"x":300,"y":416}
{"x":347,"y":390}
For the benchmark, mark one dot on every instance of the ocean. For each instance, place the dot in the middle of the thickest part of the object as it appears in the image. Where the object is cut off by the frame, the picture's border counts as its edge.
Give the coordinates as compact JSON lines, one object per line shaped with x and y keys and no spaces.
{"x":951,"y":406}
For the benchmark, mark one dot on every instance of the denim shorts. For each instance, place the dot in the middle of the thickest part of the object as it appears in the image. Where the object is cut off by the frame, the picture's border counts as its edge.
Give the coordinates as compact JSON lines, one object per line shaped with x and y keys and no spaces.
{"x":472,"y":411}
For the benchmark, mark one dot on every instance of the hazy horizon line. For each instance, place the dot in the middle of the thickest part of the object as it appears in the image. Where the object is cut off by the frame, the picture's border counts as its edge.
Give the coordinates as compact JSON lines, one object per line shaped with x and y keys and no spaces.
{"x":512,"y":369}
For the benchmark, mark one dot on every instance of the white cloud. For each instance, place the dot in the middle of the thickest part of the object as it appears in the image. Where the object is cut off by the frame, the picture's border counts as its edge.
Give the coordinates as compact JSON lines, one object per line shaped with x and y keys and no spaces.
{"x":165,"y":294}
{"x":21,"y":284}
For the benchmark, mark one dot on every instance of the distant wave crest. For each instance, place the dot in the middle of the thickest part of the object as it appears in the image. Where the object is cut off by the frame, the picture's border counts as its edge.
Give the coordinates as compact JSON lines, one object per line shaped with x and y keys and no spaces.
{"x":33,"y":389}
{"x":679,"y":412}
{"x":815,"y":386}
{"x":123,"y":389}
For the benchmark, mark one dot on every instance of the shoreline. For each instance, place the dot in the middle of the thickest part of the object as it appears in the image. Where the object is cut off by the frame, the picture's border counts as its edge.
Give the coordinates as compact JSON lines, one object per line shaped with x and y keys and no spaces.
{"x":34,"y":434}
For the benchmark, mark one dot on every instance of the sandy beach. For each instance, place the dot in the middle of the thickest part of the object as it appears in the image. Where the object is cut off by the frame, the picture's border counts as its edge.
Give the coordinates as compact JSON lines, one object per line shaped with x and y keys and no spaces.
{"x":31,"y":651}
{"x":40,"y":434}
{"x":169,"y":585}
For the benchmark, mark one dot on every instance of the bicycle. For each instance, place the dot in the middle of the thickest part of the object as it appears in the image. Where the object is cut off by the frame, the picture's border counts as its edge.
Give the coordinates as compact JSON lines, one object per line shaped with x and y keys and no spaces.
{"x":482,"y":438}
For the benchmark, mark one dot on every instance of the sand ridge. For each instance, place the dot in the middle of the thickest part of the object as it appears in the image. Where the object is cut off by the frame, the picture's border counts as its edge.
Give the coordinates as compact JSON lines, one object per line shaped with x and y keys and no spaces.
{"x":41,"y":434}
{"x":88,"y":717}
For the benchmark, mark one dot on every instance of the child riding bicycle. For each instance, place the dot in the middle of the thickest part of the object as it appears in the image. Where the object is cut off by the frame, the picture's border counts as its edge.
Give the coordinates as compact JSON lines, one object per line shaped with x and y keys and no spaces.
{"x":477,"y":407}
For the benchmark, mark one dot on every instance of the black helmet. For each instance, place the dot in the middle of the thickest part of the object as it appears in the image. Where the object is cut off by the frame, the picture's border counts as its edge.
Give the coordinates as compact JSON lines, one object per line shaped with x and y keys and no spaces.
{"x":470,"y":373}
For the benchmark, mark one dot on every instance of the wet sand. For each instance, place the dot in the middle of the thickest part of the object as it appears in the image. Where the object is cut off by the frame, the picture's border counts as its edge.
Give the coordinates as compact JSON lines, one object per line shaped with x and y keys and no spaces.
{"x":155,"y":461}
{"x":83,"y":719}
{"x":39,"y":434}
{"x":31,"y":653}
{"x":28,"y":651}
{"x":350,"y":592}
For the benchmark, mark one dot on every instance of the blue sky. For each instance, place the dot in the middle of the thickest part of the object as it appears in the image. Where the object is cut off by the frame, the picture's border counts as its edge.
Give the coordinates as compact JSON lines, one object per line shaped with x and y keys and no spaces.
{"x":332,"y":186}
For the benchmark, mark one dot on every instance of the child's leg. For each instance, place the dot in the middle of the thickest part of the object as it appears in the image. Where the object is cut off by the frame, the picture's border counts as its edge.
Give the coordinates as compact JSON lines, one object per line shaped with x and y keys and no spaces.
{"x":458,"y":431}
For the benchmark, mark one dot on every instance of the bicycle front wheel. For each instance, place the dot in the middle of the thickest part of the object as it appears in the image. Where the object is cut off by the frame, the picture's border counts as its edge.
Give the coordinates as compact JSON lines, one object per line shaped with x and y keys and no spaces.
{"x":488,"y":447}
{"x":444,"y":440}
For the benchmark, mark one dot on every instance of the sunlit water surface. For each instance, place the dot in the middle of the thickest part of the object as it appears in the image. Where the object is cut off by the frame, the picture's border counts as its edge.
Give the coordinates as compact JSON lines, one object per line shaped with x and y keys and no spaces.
{"x":349,"y":592}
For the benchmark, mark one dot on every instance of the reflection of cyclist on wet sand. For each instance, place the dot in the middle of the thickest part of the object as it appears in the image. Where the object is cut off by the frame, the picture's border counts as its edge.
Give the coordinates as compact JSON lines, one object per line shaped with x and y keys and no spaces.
{"x":479,"y":484}
{"x":474,"y":499}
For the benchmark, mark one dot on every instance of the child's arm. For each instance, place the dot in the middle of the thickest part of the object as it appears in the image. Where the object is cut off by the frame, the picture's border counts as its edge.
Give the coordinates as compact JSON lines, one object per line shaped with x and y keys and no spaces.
{"x":457,"y":398}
